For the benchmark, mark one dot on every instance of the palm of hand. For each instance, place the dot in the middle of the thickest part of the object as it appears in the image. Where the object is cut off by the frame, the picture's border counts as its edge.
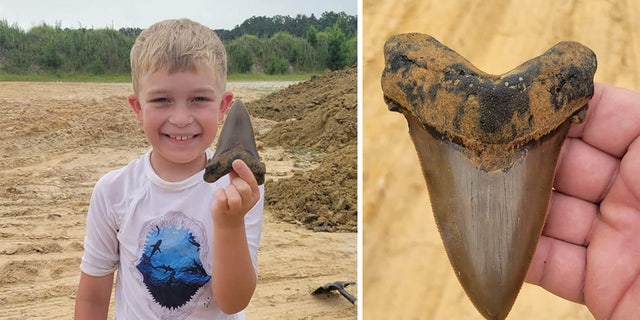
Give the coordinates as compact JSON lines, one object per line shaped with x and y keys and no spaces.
{"x":612,"y":278}
{"x":590,"y":248}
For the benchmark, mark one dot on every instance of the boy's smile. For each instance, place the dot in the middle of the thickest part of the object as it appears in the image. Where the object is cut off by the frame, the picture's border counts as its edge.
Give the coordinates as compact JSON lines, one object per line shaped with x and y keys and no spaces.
{"x":181,"y":138}
{"x":179,"y":113}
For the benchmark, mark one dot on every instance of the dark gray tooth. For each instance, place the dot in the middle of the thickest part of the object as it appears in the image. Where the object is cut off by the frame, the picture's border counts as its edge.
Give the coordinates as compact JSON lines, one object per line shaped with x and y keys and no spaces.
{"x":236,"y":141}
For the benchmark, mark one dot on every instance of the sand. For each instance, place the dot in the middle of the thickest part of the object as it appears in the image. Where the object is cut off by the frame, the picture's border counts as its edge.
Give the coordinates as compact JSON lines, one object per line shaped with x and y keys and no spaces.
{"x":407,"y":274}
{"x":57,"y":139}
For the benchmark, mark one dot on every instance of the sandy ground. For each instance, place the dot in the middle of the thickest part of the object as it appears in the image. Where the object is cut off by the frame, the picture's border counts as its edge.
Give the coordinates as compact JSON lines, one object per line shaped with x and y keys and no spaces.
{"x":406,"y":272}
{"x":57,"y":139}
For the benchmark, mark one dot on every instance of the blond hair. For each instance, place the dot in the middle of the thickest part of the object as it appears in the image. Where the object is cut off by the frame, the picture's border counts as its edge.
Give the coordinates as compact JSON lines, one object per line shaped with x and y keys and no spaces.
{"x":177,"y":45}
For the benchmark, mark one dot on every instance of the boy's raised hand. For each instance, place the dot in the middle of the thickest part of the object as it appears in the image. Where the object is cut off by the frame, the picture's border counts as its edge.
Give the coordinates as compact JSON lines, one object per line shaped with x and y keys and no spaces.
{"x":235,"y":279}
{"x":234,"y":201}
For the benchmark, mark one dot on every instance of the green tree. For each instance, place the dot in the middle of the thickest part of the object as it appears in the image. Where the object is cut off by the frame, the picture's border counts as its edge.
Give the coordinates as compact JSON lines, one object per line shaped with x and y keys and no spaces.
{"x":351,"y":51}
{"x":97,"y":67}
{"x":244,"y":53}
{"x":260,"y":44}
{"x":336,"y":52}
{"x":277,"y":65}
{"x":312,"y":36}
{"x":14,"y":54}
{"x":50,"y":58}
{"x":240,"y":58}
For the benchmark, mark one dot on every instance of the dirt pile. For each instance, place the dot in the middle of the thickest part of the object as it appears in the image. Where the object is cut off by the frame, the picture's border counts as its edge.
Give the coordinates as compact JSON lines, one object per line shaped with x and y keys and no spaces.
{"x":323,"y":199}
{"x":319,"y":115}
{"x":43,"y":125}
{"x":297,"y":100}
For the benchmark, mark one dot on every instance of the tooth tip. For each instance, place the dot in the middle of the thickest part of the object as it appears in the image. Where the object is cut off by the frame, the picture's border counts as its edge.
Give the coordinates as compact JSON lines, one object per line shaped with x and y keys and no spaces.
{"x":492,"y":299}
{"x":238,"y":130}
{"x":492,"y":285}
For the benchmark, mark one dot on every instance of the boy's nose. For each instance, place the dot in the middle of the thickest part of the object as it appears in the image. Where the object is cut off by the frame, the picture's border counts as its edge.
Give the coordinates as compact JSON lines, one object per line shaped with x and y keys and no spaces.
{"x":181,"y":116}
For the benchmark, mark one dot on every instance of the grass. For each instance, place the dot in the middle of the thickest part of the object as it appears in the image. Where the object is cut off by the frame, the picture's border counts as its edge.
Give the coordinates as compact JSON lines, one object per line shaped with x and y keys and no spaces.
{"x":77,"y":77}
{"x":268,"y":77}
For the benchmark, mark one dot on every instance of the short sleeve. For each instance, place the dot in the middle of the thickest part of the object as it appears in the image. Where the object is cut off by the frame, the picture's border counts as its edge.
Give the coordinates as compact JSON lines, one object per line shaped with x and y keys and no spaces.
{"x":100,"y":256}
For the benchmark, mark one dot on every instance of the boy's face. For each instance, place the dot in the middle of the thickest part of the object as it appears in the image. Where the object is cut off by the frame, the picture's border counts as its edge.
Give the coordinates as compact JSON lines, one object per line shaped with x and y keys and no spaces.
{"x":179,"y":113}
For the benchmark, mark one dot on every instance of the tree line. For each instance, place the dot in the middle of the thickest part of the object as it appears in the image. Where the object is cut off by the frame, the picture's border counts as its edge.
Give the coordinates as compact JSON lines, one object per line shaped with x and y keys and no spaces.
{"x":274,"y":45}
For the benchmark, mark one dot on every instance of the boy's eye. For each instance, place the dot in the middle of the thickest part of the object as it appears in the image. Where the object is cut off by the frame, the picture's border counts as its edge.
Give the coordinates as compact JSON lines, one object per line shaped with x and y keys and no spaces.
{"x":159,"y":100}
{"x":200,"y":99}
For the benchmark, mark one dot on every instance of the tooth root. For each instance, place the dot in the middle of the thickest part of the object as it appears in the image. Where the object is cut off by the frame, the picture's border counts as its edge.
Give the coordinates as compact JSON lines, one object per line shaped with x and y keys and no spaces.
{"x":236,"y":141}
{"x":488,"y":147}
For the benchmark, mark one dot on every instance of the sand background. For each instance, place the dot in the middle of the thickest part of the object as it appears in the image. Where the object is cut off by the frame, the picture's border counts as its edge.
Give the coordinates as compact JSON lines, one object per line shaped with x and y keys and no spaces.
{"x":57,"y":139}
{"x":407,"y":274}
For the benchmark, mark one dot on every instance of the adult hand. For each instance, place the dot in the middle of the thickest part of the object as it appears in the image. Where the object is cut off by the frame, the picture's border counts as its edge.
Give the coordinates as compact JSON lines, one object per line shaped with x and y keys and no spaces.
{"x":589,"y":251}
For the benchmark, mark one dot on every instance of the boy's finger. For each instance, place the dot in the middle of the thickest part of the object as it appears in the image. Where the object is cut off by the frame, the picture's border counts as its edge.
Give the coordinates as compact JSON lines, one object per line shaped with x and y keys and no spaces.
{"x":244,"y":172}
{"x":221,"y":201}
{"x":243,"y":188}
{"x":234,"y":199}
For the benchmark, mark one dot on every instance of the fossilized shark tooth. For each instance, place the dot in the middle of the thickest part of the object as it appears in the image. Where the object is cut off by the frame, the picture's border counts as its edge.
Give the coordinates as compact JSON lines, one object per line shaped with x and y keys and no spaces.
{"x":236,"y":141}
{"x":488,"y":146}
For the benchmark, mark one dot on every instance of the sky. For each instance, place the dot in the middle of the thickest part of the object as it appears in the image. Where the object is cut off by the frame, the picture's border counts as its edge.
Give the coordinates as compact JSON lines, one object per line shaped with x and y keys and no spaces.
{"x":116,"y":14}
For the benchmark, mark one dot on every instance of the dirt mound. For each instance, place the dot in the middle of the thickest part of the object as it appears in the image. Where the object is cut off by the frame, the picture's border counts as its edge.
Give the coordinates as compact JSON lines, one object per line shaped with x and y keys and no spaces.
{"x":324,"y":129}
{"x":298,"y":100}
{"x":32,"y":131}
{"x":323,"y":199}
{"x":319,"y":115}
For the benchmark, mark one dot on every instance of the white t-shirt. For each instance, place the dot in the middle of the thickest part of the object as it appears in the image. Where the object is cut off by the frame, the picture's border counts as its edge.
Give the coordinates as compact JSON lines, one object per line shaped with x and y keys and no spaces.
{"x":158,"y":235}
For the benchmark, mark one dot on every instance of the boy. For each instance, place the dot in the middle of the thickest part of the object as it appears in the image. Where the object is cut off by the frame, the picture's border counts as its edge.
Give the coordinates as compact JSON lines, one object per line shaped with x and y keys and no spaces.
{"x":183,"y":248}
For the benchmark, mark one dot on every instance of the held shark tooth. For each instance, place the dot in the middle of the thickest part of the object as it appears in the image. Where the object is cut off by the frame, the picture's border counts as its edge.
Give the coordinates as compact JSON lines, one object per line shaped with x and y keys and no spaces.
{"x":488,"y":146}
{"x":236,"y":141}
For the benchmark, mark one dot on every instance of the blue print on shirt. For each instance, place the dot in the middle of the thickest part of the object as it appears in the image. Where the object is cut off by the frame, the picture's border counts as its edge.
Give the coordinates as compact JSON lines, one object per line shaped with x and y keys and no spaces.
{"x":170,"y":265}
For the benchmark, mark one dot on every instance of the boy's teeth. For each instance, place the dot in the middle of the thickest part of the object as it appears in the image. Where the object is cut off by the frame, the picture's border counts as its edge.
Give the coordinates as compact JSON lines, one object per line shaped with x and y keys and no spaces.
{"x":181,"y":137}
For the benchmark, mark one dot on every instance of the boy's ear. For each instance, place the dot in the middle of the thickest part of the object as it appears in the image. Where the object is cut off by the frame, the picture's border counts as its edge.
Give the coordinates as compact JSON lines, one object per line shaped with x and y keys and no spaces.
{"x":227,"y":98}
{"x":135,"y":105}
